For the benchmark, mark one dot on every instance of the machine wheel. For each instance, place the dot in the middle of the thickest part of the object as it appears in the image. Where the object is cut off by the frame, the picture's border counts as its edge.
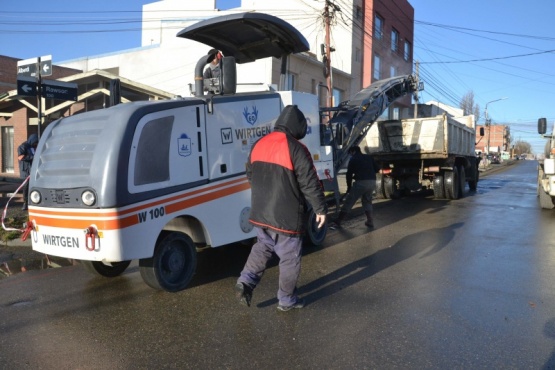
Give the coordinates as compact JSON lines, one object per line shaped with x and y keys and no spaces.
{"x":439,"y":187}
{"x":462,"y":181}
{"x":388,"y":184}
{"x":173,"y":264}
{"x":314,"y":235}
{"x":451,"y":181}
{"x":101,"y":269}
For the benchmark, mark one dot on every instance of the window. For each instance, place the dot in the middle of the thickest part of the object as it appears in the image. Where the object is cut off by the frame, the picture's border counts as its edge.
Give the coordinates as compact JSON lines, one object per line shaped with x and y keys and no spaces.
{"x":336,"y":97}
{"x":378,"y":27}
{"x":357,"y":55}
{"x":392,"y":71}
{"x":358,"y":13}
{"x":7,"y":149}
{"x":395,"y":113}
{"x":394,"y":39}
{"x":376,"y":70}
{"x":291,"y":78}
{"x":407,"y":51}
{"x":152,"y":162}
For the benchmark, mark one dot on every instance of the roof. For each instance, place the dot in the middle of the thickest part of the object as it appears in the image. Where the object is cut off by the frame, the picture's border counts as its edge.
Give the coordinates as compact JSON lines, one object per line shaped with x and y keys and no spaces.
{"x":248,"y":36}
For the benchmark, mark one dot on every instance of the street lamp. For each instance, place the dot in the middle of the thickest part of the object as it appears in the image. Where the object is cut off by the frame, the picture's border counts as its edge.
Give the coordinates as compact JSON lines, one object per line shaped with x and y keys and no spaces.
{"x":488,"y":124}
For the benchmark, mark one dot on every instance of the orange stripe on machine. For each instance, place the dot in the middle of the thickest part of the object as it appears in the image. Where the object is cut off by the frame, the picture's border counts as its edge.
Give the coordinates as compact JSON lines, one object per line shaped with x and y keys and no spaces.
{"x":120,"y":219}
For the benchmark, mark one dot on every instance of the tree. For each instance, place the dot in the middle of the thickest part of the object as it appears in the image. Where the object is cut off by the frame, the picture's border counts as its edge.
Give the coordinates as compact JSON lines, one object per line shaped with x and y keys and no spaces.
{"x":522,"y":147}
{"x":469,"y":107}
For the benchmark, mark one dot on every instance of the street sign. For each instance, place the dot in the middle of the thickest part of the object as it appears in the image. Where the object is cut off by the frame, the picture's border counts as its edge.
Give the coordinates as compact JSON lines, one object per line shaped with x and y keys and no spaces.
{"x":26,"y":86}
{"x":59,"y":90}
{"x":28,"y":67}
{"x":46,"y":65}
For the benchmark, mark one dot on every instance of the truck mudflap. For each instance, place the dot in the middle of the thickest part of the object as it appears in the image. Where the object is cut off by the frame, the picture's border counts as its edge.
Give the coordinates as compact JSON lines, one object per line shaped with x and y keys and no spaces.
{"x":354,"y":117}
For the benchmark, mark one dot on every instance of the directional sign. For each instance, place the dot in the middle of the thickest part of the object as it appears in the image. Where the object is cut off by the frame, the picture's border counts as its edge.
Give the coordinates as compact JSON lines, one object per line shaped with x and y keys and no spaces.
{"x":28,"y":67}
{"x":59,"y":90}
{"x":46,"y":66}
{"x":26,"y":86}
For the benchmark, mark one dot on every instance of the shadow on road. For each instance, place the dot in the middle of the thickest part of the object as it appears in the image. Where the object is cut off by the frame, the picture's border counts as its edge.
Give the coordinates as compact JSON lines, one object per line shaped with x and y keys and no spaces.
{"x":429,"y":241}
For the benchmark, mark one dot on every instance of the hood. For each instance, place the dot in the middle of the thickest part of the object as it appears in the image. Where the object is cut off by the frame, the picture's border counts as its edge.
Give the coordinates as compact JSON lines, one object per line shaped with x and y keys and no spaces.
{"x":33,"y":139}
{"x":292,"y":121}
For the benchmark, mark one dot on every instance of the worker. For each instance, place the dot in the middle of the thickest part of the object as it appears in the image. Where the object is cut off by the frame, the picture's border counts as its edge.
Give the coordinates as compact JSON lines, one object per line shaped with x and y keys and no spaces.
{"x":362,"y":168}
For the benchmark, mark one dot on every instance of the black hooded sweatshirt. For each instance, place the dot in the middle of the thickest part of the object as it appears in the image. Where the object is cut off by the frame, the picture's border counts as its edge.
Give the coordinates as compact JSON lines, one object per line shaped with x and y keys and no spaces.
{"x":283,"y":178}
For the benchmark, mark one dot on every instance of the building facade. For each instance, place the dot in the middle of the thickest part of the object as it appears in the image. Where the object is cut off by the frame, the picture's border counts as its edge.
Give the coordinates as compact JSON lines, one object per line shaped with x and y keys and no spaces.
{"x":496,"y":139}
{"x":368,"y":40}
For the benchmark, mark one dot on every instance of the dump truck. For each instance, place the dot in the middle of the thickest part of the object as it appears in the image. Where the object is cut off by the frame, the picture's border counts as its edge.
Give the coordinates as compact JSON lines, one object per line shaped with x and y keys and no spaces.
{"x":154,"y":181}
{"x":436,"y":153}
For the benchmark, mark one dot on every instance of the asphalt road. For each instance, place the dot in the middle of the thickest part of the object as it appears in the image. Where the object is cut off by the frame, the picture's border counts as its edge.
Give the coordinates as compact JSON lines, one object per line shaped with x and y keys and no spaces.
{"x":438,"y":284}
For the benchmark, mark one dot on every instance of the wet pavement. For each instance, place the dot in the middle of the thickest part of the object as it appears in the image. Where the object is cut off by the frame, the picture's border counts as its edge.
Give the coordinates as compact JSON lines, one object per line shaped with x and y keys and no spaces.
{"x":437,"y":284}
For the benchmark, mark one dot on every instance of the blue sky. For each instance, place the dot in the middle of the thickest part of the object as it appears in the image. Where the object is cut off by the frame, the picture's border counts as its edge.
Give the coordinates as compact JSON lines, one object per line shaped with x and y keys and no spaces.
{"x":492,"y":48}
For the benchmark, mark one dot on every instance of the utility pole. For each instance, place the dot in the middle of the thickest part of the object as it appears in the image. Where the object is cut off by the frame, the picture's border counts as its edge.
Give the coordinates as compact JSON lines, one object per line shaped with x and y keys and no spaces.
{"x":39,"y":98}
{"x":326,"y":51}
{"x":417,"y":71}
{"x":488,"y":121}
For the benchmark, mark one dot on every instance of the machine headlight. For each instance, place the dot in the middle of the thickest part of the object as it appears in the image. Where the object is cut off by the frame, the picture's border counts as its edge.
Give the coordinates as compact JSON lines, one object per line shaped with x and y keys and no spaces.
{"x":35,"y":197}
{"x":88,"y":198}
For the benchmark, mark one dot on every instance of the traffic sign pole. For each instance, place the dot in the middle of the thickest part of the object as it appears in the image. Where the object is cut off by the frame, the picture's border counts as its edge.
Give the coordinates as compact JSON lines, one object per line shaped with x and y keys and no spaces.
{"x":39,"y":98}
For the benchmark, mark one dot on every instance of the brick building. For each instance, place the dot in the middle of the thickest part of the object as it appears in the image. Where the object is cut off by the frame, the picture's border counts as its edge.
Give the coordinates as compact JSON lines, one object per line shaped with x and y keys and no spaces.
{"x":498,"y":136}
{"x":18,"y":115}
{"x":388,"y":42}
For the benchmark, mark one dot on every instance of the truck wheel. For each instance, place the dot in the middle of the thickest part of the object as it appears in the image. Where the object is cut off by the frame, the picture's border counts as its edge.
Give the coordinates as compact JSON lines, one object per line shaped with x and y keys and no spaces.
{"x":462,"y":181}
{"x":379,"y":186}
{"x":439,"y":187}
{"x":99,"y":268}
{"x":314,"y":235}
{"x":388,"y":184}
{"x":451,"y":181}
{"x":173,"y":264}
{"x":473,"y":182}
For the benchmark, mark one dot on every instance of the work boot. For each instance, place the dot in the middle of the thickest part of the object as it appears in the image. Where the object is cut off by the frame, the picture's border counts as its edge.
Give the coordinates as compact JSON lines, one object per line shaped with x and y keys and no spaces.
{"x":336,"y":224}
{"x":369,"y":221}
{"x":243,"y":293}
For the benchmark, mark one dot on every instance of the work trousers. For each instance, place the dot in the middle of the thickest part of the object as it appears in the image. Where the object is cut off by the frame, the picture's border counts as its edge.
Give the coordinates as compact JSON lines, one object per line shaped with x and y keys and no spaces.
{"x":360,"y":189}
{"x":289,"y":251}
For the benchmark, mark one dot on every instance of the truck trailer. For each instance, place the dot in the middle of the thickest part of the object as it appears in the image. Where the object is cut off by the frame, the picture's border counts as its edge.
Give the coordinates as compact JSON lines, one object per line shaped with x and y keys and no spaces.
{"x":434,"y":153}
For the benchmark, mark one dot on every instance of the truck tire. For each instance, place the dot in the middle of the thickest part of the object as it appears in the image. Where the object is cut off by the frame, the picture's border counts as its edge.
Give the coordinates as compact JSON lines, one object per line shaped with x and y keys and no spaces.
{"x":99,"y":268}
{"x":173,"y":264}
{"x":462,"y":181}
{"x":379,"y":186}
{"x":473,"y":182}
{"x":451,"y":181}
{"x":439,"y":187}
{"x":314,"y":236}
{"x":389,"y":191}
